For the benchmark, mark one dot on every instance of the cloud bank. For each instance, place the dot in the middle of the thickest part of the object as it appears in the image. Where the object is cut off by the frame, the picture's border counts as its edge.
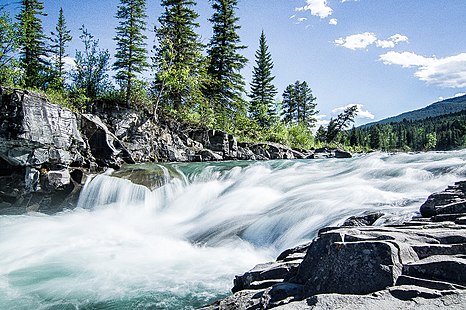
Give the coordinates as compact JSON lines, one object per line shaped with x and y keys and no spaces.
{"x":449,"y":72}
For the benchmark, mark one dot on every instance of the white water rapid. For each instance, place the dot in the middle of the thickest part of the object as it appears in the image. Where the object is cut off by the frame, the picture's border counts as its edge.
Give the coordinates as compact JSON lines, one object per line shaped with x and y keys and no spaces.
{"x":179,"y":246}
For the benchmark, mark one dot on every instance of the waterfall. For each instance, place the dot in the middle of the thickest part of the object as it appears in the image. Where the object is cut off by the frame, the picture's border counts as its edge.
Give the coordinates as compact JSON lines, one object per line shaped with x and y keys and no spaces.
{"x":173,"y":236}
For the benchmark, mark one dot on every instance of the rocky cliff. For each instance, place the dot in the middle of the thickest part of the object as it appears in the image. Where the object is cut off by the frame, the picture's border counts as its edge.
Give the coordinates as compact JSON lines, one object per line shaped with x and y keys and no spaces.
{"x":46,"y":151}
{"x":418,"y":265}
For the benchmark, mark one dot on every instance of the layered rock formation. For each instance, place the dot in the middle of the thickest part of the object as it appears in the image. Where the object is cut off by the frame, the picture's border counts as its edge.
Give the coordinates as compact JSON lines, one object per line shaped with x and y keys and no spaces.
{"x":418,"y":265}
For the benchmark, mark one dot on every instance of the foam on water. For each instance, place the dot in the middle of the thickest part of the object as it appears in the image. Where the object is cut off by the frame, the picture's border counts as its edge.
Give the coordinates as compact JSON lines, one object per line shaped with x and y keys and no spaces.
{"x":180,"y":245}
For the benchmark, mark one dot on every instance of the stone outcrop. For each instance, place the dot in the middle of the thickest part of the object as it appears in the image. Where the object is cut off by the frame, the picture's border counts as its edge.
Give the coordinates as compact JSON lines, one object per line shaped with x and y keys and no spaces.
{"x":40,"y":147}
{"x":417,"y":265}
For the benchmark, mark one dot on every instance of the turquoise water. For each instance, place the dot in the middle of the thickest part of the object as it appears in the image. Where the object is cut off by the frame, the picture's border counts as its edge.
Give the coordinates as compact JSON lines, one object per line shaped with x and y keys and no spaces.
{"x":173,"y":236}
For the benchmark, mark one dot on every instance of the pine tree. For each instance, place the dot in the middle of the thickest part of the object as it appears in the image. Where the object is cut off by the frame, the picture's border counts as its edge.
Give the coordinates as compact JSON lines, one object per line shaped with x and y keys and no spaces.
{"x":225,"y":62}
{"x":289,"y":104}
{"x":306,"y":104}
{"x":33,"y":52}
{"x":261,"y":107}
{"x":342,"y":121}
{"x":131,"y":53}
{"x":299,"y":105}
{"x":178,"y":60}
{"x":59,"y":39}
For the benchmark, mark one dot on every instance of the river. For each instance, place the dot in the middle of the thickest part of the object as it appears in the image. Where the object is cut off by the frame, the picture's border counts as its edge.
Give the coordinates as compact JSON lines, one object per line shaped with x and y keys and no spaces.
{"x":178,"y":241}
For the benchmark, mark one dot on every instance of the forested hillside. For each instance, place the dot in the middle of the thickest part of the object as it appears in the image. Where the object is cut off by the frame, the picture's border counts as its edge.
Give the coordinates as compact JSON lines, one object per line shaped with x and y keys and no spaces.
{"x":447,"y":106}
{"x":446,"y":132}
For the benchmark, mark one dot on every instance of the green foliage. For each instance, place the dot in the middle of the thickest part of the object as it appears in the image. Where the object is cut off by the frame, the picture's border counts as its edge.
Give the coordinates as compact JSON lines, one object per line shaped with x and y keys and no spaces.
{"x":9,"y":43}
{"x":445,"y":132}
{"x":262,"y":105}
{"x":59,"y":41}
{"x":92,"y":64}
{"x":33,"y":53}
{"x":178,"y":62}
{"x":131,"y":53}
{"x":299,"y":105}
{"x":299,"y":136}
{"x":226,"y":86}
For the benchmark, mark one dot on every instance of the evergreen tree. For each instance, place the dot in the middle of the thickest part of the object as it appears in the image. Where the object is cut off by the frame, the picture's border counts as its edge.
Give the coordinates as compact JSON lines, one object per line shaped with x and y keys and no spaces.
{"x":225,"y":62}
{"x":92,"y":64}
{"x":8,"y":47}
{"x":131,"y":53}
{"x":299,"y":105}
{"x":261,"y":107}
{"x":339,"y":123}
{"x":33,"y":52}
{"x":306,"y":104}
{"x":178,"y":61}
{"x":289,"y":104}
{"x":59,"y":39}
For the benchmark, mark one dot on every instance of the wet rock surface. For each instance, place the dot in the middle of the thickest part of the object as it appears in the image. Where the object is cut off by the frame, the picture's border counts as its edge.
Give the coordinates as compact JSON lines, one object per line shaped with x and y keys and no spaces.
{"x":420,"y":264}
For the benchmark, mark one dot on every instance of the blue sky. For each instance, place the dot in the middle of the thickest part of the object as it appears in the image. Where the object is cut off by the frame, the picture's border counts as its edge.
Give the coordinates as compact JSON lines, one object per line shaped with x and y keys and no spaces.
{"x":389,"y":56}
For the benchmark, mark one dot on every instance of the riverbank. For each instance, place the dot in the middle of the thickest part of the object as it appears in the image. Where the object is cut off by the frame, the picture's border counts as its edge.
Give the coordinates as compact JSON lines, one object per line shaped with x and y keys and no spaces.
{"x":47,"y":151}
{"x":420,"y":264}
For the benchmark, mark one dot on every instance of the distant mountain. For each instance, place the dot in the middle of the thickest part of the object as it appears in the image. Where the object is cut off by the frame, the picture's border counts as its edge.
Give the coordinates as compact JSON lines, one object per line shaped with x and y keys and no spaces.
{"x":447,"y":106}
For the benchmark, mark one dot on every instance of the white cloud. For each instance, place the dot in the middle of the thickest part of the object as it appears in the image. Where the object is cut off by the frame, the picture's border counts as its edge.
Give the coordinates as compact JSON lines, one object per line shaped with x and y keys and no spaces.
{"x":459,"y":95}
{"x":361,"y":114}
{"x":357,"y":41}
{"x":398,"y":38}
{"x":405,"y":59}
{"x":445,"y":72}
{"x":363,"y":40}
{"x":317,"y":8}
{"x":333,"y":21}
{"x":385,"y":44}
{"x":301,"y":19}
{"x":392,"y":41}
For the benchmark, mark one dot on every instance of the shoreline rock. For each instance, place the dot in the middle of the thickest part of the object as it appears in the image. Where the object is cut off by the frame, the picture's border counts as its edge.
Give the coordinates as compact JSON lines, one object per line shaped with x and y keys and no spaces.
{"x":417,"y":265}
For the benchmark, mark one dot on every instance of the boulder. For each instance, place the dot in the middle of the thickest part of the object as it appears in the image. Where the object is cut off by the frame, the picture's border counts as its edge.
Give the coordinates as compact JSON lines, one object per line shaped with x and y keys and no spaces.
{"x":451,"y":200}
{"x":361,"y":267}
{"x":269,"y":150}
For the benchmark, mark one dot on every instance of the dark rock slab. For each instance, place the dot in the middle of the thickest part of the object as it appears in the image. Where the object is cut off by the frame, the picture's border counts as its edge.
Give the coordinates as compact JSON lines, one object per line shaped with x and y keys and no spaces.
{"x":446,"y":268}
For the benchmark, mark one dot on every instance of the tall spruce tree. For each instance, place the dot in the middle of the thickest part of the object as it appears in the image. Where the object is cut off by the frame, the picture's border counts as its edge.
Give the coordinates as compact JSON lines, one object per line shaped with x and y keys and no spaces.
{"x":33,"y":51}
{"x":263,"y":92}
{"x":59,"y":40}
{"x":225,"y":62}
{"x":178,"y":60}
{"x":131,"y":53}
